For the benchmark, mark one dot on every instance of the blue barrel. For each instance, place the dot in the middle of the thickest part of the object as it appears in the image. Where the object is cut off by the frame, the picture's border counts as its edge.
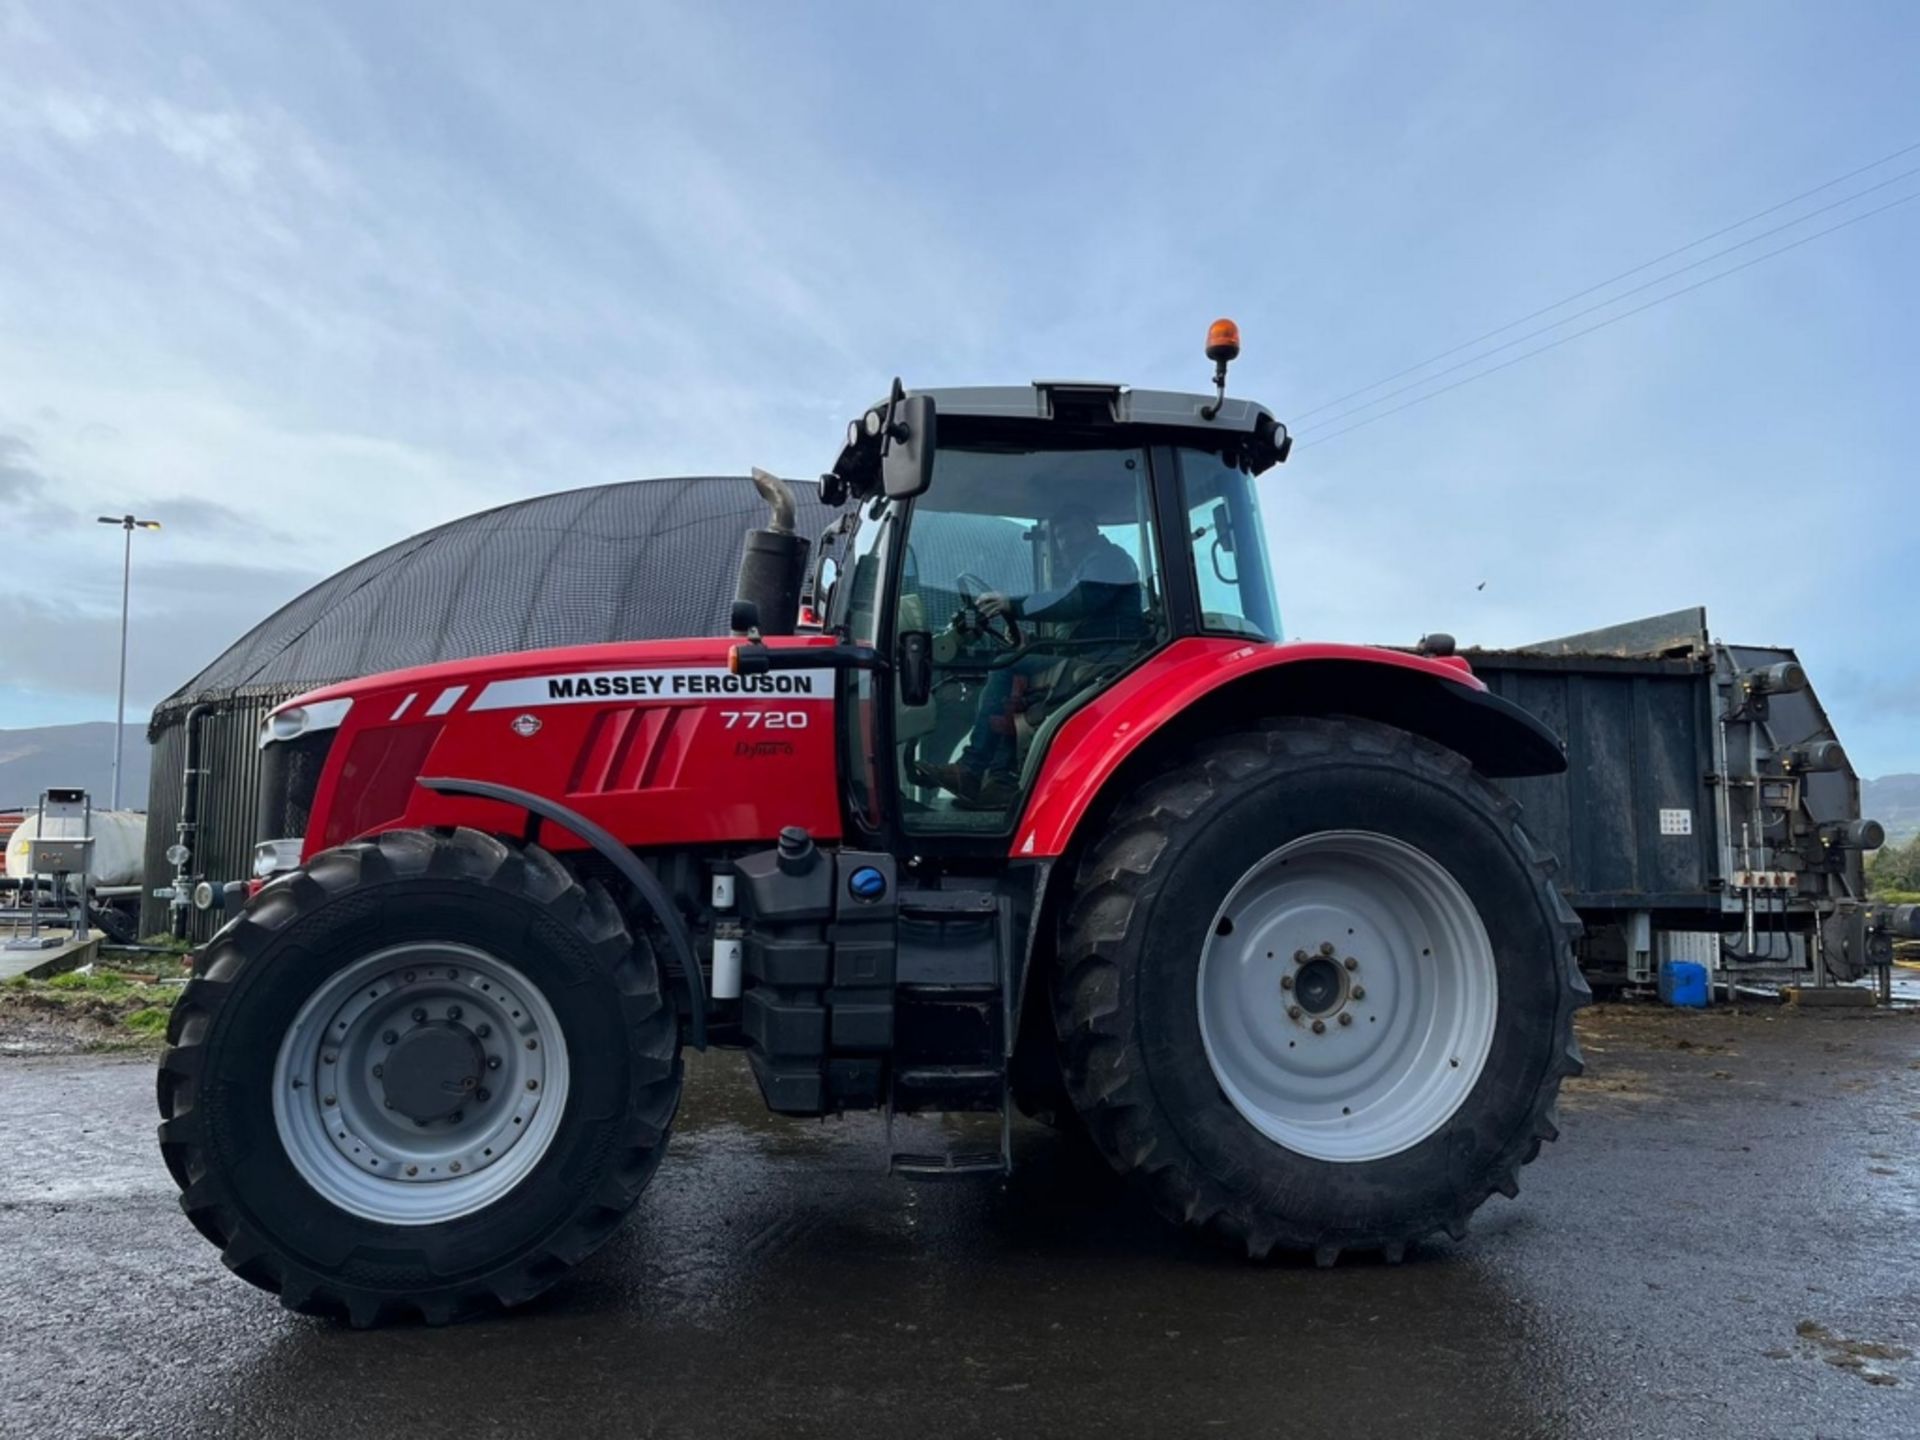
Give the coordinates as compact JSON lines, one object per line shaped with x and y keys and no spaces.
{"x":1683,"y":982}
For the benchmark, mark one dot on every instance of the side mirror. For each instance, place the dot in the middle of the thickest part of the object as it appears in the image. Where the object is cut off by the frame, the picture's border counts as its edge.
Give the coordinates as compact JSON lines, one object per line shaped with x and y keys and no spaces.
{"x":914,"y":667}
{"x":906,"y":455}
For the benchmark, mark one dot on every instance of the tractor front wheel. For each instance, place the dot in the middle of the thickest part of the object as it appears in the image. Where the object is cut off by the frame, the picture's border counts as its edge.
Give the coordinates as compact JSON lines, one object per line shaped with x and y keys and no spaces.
{"x":422,"y":1076}
{"x":1316,"y":989}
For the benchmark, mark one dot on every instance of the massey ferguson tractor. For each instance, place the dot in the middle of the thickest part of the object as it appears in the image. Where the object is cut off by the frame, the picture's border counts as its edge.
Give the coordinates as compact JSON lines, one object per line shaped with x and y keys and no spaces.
{"x":1043,"y":814}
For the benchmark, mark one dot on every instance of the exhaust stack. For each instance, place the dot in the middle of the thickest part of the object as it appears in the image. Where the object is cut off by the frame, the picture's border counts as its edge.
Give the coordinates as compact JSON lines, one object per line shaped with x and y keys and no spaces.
{"x":773,"y":563}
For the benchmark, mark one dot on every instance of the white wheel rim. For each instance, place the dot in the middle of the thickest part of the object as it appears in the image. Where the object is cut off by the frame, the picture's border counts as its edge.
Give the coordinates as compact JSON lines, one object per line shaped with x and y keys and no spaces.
{"x":332,"y":1086}
{"x":1379,"y":944}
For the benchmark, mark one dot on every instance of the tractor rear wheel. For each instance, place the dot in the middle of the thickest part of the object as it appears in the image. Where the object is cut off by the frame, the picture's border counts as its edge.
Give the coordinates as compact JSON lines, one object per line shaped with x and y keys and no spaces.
{"x":423,"y":1076}
{"x":1316,"y":989}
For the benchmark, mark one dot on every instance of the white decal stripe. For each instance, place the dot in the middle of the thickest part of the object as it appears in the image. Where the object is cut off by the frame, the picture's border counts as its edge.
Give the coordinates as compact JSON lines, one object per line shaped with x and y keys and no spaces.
{"x":659,"y":687}
{"x":404,"y":705}
{"x":446,"y":699}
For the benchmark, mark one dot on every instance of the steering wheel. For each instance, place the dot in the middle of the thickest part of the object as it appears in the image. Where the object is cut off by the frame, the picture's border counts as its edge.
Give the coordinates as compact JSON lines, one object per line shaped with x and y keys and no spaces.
{"x":971,"y":588}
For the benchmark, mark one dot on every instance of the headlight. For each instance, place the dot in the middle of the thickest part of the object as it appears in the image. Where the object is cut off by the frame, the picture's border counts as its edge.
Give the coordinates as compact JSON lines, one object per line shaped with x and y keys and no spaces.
{"x":297,"y":720}
{"x":271,"y":857}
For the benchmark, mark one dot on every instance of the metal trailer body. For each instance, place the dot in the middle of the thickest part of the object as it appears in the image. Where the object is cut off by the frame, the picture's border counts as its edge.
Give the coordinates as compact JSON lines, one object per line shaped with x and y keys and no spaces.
{"x":1708,"y":811}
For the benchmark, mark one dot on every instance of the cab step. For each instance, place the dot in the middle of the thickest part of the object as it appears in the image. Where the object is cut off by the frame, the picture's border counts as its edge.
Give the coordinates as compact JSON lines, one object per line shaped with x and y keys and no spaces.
{"x":952,"y":1165}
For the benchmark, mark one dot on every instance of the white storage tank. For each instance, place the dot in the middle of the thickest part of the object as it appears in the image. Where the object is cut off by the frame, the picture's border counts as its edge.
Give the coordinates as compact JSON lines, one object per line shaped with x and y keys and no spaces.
{"x":119,"y":845}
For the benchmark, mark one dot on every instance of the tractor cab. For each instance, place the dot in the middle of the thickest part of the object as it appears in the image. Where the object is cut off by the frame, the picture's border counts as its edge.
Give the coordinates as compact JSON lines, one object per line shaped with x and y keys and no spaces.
{"x":1013,"y":552}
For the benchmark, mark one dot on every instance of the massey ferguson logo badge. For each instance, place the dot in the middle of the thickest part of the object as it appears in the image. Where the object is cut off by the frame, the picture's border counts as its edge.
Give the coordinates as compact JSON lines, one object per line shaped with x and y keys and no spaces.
{"x":676,"y":685}
{"x":526,"y":725}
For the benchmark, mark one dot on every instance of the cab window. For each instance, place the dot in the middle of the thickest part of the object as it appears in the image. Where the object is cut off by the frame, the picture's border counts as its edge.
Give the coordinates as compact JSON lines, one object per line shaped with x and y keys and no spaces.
{"x":1226,"y":546}
{"x":863,"y":584}
{"x":1037,"y":575}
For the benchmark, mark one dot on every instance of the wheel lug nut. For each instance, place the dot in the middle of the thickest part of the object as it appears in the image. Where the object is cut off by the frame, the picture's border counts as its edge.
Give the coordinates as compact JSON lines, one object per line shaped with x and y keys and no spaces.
{"x":454,"y":1012}
{"x":389,"y":1037}
{"x":483,"y":1031}
{"x":483,"y":1093}
{"x":533,"y":1084}
{"x":1351,"y":963}
{"x":389,"y":1104}
{"x":533,"y":1044}
{"x":493,"y":1062}
{"x":456,"y":1117}
{"x":455,"y":1167}
{"x":1359,"y":992}
{"x":1286,"y":982}
{"x":1326,"y":947}
{"x":1345,"y":1019}
{"x":413,"y":1169}
{"x":409,"y":977}
{"x":331,"y":1100}
{"x":1319,"y":1027}
{"x":379,"y":1071}
{"x":1293,"y":1012}
{"x":419,"y":1015}
{"x":330,"y":1058}
{"x":1299,"y":957}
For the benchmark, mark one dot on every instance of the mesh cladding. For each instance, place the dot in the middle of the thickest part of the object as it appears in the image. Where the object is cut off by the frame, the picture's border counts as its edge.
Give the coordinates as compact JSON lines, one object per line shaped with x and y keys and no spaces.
{"x":647,"y":559}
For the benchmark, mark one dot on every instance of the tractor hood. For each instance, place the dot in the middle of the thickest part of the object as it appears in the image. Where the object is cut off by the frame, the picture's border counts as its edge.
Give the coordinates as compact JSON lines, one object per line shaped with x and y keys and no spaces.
{"x":655,"y":741}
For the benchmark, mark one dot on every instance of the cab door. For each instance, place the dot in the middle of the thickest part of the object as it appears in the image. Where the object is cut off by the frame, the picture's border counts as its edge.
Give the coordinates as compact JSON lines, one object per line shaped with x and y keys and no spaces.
{"x":1035,"y":575}
{"x":859,"y":607}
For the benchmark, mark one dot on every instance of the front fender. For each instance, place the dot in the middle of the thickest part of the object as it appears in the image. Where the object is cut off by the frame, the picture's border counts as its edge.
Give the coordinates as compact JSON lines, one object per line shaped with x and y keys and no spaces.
{"x":1200,"y":686}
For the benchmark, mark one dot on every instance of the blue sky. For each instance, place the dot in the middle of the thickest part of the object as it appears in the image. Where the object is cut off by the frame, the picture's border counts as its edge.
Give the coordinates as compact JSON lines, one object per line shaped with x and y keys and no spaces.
{"x":301,"y":280}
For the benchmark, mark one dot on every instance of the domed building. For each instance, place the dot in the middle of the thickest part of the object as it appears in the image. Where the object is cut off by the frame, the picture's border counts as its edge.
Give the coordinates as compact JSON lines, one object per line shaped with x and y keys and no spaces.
{"x":647,"y":559}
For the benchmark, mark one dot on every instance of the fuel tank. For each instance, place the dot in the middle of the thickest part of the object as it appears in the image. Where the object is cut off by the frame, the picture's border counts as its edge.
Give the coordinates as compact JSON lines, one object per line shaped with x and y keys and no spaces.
{"x":653,"y":740}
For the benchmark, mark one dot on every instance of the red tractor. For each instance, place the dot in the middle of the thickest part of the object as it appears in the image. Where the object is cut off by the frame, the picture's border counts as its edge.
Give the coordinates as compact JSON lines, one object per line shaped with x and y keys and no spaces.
{"x":1045,"y":815}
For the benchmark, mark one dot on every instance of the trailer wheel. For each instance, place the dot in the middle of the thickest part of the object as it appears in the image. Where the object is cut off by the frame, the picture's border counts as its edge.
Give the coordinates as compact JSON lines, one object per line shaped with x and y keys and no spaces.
{"x":423,"y":1076}
{"x":1316,"y":990}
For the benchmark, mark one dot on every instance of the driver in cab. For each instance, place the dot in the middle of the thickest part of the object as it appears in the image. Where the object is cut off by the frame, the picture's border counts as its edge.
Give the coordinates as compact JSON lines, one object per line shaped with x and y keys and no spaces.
{"x":1099,"y":598}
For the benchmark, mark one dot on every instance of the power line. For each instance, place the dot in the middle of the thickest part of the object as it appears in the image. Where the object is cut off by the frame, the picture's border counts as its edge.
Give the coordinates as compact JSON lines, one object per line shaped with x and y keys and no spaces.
{"x":1616,"y":299}
{"x":1613,"y":319}
{"x":1624,"y":274}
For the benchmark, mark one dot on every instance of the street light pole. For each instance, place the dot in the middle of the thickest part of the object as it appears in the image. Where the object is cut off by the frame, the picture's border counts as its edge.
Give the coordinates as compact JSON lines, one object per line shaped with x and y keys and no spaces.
{"x":129,"y":524}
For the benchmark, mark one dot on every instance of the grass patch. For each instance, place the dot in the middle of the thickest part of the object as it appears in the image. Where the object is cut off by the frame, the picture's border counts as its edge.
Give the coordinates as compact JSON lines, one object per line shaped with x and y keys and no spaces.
{"x":140,"y":964}
{"x":95,"y":981}
{"x":81,"y":1011}
{"x":148,"y":1020}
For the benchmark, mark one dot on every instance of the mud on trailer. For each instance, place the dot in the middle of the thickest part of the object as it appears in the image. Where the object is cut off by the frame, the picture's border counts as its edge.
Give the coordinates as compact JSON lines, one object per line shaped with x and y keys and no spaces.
{"x":1045,"y":816}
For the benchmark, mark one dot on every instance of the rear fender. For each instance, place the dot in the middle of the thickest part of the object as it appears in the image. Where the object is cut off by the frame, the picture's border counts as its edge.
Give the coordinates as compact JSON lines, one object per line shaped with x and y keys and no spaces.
{"x":1200,"y":687}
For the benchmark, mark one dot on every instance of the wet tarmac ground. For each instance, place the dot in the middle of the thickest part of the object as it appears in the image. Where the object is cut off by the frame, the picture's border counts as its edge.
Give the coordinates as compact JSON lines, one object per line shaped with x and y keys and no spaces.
{"x":1725,"y":1242}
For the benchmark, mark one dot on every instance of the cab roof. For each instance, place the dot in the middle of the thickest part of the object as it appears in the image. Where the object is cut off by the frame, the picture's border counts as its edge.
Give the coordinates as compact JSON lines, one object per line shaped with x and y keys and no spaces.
{"x":1124,"y":405}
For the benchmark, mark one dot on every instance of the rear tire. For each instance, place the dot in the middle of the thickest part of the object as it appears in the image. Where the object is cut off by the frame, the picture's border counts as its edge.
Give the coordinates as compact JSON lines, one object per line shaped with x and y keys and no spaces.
{"x":1201,"y":1076}
{"x":303,"y":1096}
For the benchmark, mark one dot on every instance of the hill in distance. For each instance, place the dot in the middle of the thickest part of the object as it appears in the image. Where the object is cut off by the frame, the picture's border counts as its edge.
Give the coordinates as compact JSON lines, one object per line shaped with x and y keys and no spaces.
{"x":49,"y":755}
{"x":1893,"y":800}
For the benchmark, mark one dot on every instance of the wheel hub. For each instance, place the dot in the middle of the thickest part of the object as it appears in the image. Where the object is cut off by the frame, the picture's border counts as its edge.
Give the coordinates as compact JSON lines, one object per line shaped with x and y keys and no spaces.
{"x":432,"y":1072}
{"x":1320,"y":986}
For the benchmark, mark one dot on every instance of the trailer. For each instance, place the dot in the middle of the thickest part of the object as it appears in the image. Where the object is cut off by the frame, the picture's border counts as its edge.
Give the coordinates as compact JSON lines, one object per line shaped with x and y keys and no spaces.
{"x":1708,"y":812}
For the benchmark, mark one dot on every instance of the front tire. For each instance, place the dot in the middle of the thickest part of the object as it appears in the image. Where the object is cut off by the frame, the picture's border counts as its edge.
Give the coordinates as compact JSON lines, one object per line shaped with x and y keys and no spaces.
{"x":423,"y":1076}
{"x":1316,"y":990}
